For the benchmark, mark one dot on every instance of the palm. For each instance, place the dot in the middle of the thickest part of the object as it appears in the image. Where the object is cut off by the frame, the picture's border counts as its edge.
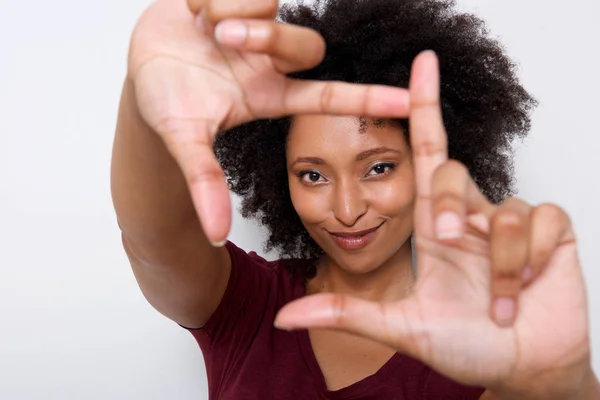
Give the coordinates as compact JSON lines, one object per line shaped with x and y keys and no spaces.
{"x":188,"y":87}
{"x":447,"y":321}
{"x":459,"y":337}
{"x":182,"y":75}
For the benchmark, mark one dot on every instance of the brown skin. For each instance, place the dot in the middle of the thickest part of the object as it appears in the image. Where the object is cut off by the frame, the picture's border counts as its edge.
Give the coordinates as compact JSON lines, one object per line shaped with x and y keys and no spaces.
{"x":352,"y":195}
{"x":183,"y":84}
{"x":346,"y":194}
{"x":166,"y":246}
{"x":469,"y":270}
{"x":169,"y":192}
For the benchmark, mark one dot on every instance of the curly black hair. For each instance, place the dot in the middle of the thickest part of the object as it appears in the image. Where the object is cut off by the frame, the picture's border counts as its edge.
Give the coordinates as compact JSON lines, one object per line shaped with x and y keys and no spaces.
{"x":375,"y":42}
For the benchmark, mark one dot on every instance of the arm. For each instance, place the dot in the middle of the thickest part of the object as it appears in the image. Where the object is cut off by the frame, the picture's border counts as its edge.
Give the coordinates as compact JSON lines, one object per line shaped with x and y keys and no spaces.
{"x":589,"y":389}
{"x":179,"y":272}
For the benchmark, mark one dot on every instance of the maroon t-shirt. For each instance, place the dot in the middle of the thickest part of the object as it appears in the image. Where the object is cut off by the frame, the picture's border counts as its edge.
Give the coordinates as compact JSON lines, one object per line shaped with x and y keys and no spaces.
{"x":249,"y":359}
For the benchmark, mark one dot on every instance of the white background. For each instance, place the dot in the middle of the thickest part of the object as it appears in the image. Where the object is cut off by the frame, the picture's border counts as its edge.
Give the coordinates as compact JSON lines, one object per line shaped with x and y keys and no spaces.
{"x":73,"y":323}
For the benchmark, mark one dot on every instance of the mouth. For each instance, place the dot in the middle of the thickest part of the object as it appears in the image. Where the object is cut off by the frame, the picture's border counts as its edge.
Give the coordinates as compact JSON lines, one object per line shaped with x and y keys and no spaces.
{"x":355,"y":240}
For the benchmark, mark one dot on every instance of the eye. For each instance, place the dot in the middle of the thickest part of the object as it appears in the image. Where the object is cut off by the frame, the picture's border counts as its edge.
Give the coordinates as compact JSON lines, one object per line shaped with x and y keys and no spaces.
{"x":381,"y":169}
{"x":311,"y":177}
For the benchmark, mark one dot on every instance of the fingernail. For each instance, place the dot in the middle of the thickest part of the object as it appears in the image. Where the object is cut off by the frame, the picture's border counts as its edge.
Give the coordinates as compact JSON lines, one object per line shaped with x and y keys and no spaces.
{"x":527,"y":274}
{"x":219,"y":244}
{"x":448,"y":225}
{"x":281,"y":323}
{"x":504,"y":311}
{"x":231,"y":32}
{"x":277,"y":324}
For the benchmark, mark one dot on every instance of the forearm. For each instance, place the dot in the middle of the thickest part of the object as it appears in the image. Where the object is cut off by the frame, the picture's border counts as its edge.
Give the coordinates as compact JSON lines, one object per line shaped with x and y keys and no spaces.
{"x":149,"y":192}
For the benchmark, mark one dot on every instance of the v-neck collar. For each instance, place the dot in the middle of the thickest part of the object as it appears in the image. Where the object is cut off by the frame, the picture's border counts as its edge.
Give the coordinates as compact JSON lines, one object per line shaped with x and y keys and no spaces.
{"x":349,"y":392}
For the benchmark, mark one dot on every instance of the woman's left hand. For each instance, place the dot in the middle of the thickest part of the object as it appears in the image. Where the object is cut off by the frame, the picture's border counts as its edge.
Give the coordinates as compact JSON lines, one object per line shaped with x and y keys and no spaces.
{"x":499,"y":302}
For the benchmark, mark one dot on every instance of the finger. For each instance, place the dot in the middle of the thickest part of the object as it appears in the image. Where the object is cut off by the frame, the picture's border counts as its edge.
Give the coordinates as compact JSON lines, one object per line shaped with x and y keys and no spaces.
{"x":550,"y":227}
{"x":455,"y":196}
{"x":427,"y":135}
{"x":210,"y":12}
{"x":340,"y":98}
{"x":387,"y":323}
{"x":293,"y":48}
{"x":196,"y":5}
{"x":190,"y":145}
{"x":509,"y":251}
{"x":218,"y":10}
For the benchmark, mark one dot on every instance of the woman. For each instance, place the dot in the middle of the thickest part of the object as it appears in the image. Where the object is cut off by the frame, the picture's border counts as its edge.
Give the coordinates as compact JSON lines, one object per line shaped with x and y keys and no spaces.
{"x":497,"y":306}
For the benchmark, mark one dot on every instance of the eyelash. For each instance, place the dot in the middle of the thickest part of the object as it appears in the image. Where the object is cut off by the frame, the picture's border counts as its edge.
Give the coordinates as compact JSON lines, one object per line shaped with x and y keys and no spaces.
{"x":388,"y":166}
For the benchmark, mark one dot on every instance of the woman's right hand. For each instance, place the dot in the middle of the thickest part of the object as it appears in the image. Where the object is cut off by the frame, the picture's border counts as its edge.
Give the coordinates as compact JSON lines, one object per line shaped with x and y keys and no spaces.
{"x":193,"y":77}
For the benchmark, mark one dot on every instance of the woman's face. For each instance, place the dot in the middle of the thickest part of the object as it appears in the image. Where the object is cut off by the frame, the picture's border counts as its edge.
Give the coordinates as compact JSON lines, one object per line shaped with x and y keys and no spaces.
{"x":353,"y":189}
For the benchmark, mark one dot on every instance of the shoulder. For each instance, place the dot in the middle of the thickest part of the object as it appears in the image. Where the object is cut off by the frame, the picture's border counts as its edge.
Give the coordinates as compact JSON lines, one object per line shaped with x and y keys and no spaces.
{"x":291,"y":270}
{"x":256,"y":290}
{"x":272,"y":283}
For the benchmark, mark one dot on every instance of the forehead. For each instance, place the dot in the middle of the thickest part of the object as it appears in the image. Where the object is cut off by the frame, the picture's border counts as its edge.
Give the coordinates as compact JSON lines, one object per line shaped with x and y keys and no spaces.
{"x":341,"y":134}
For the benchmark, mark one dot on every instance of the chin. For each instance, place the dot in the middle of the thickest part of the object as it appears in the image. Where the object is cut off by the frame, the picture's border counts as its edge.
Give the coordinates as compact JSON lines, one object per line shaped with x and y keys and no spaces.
{"x":360,"y":263}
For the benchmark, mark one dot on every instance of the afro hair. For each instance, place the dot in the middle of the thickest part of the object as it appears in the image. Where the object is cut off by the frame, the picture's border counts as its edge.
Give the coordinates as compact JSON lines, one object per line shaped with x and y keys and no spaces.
{"x":375,"y":42}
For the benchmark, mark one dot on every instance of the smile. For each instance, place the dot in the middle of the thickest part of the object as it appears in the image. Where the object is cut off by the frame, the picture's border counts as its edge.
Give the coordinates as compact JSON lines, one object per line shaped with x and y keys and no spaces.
{"x":355,"y":240}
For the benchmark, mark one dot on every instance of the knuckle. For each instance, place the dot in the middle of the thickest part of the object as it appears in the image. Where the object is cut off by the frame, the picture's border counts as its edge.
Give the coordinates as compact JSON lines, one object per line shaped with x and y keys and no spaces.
{"x":221,"y":9}
{"x":169,"y":127}
{"x":506,"y":288}
{"x":508,"y":219}
{"x":367,"y":100}
{"x":339,"y":309}
{"x":451,"y":169}
{"x":204,"y":173}
{"x":428,"y":148}
{"x":506,"y":282}
{"x":269,"y":36}
{"x":420,"y":246}
{"x":552,"y":212}
{"x":175,"y":131}
{"x":539,"y":254}
{"x":455,"y":166}
{"x":448,"y":201}
{"x":195,"y":5}
{"x":449,"y":185}
{"x":192,"y":151}
{"x":315,"y":49}
{"x":458,"y":168}
{"x":327,"y":95}
{"x":514,"y":201}
{"x":506,"y":274}
{"x":270,"y":6}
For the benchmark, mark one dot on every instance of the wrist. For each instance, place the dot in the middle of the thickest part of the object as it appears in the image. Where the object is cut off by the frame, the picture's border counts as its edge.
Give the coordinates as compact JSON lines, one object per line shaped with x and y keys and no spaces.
{"x":591,"y":387}
{"x":586,"y":387}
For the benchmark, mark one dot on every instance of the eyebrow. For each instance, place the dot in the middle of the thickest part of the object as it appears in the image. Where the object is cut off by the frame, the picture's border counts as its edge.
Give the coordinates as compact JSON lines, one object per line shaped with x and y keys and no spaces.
{"x":372,"y":152}
{"x":359,"y":157}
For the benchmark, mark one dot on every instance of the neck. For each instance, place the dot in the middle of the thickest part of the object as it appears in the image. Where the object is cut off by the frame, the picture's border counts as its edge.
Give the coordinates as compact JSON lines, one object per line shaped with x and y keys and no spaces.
{"x":391,"y":281}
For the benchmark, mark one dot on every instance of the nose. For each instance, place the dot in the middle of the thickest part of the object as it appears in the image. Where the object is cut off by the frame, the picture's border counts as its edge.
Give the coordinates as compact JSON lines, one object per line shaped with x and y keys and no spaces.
{"x":349,"y":203}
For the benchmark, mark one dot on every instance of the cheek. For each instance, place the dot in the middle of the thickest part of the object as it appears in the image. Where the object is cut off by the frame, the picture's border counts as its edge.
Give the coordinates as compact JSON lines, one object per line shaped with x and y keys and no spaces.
{"x":395,"y":197}
{"x":309,"y":203}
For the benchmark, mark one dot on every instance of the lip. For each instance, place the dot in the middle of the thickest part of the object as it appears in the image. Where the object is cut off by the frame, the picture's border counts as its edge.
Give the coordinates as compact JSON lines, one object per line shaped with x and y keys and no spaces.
{"x":355,"y":240}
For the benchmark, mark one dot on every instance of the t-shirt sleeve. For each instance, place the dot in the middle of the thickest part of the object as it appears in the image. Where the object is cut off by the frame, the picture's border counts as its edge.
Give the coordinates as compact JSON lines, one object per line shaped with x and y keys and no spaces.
{"x":242,"y":309}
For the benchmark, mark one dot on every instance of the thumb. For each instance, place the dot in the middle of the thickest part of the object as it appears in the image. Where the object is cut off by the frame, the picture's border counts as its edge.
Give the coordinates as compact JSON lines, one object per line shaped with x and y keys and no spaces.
{"x":190,"y":143}
{"x":387,"y":323}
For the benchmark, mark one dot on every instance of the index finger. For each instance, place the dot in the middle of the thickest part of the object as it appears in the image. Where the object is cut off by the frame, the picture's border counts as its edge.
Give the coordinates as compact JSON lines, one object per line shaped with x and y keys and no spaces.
{"x":209,"y":13}
{"x":428,"y":138}
{"x":218,"y":10}
{"x":188,"y":141}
